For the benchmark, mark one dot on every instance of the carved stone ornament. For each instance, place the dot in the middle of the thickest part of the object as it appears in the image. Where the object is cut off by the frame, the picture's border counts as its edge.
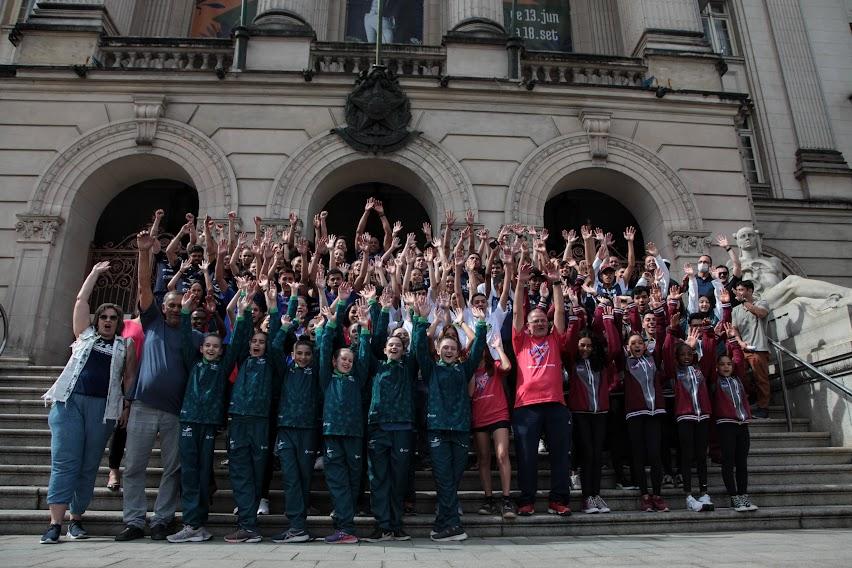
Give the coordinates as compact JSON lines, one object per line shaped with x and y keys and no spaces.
{"x":597,"y":124}
{"x":148,"y":110}
{"x":691,"y":243}
{"x":37,"y":228}
{"x":378,"y":113}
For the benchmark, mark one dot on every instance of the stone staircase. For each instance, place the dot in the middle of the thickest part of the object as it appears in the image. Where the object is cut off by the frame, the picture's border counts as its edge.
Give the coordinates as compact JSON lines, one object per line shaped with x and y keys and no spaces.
{"x":798,"y":479}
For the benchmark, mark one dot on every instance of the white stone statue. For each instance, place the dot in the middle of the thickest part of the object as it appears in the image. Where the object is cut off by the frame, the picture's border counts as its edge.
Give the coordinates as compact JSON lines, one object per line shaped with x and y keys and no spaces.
{"x":763,"y":271}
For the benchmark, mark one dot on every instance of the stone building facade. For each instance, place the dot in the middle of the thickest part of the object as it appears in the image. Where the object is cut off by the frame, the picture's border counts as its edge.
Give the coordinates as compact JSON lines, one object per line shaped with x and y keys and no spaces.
{"x":696,"y":117}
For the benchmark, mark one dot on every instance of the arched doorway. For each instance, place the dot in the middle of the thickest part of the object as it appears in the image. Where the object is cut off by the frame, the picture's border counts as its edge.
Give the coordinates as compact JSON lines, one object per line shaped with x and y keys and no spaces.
{"x":576,"y":207}
{"x":345,"y":210}
{"x":115,"y":234}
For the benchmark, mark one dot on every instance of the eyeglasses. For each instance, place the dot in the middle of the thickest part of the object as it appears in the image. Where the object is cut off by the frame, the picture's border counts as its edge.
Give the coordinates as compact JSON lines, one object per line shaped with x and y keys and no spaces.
{"x":105,"y":317}
{"x":722,"y":274}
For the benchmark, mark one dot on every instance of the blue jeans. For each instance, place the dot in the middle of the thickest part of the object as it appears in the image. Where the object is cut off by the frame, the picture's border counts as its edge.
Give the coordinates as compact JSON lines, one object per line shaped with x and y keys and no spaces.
{"x":78,"y":438}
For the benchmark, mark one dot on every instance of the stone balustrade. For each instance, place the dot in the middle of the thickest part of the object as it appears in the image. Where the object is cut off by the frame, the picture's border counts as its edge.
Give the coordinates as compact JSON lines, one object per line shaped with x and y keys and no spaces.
{"x":419,"y":61}
{"x":182,"y":54}
{"x":581,"y":69}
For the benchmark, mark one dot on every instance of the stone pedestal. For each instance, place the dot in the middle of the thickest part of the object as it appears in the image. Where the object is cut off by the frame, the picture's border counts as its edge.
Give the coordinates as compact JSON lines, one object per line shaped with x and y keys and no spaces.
{"x":817,"y":339}
{"x":476,"y":42}
{"x":477,"y":17}
{"x":294,"y":15}
{"x":282,"y":33}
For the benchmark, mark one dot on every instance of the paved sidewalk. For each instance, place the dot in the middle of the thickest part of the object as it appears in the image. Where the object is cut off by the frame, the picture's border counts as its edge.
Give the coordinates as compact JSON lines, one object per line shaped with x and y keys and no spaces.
{"x":814,"y":548}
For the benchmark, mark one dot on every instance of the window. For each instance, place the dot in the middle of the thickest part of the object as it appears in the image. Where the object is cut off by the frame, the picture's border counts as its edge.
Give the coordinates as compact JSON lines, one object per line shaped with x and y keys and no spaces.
{"x":717,"y":27}
{"x":749,"y":153}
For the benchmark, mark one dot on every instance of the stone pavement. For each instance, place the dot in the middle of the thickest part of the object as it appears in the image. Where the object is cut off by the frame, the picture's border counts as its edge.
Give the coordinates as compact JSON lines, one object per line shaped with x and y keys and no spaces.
{"x":816,"y":548}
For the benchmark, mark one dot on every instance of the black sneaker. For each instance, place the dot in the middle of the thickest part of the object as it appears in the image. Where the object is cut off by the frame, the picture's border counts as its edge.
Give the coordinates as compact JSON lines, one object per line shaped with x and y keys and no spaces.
{"x":51,"y":535}
{"x":379,"y":535}
{"x":488,"y":507}
{"x":76,"y":530}
{"x":509,"y":510}
{"x":399,"y":534}
{"x":449,"y":535}
{"x":130,"y":533}
{"x":159,"y":532}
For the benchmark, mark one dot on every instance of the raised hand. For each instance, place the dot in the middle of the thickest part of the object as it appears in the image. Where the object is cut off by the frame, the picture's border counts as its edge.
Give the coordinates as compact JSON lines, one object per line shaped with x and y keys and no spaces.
{"x":100,"y":267}
{"x":386,"y":299}
{"x":302,"y":247}
{"x":317,"y":222}
{"x":293,"y":218}
{"x":544,"y":291}
{"x":459,"y":258}
{"x":477,"y":313}
{"x":188,"y":301}
{"x":569,"y":237}
{"x":210,"y":303}
{"x":469,"y":217}
{"x":371,"y":203}
{"x":694,"y":336}
{"x":450,"y":217}
{"x":378,"y":207}
{"x":725,"y":296}
{"x":271,"y":294}
{"x":397,"y":227}
{"x":427,"y":230}
{"x":329,"y":314}
{"x":586,"y":232}
{"x":344,"y":291}
{"x":363,"y":312}
{"x":329,"y":241}
{"x":674,"y":292}
{"x":294,"y":288}
{"x":144,"y":241}
{"x":607,"y":310}
{"x":286,"y":321}
{"x":368,"y":292}
{"x":323,"y":215}
{"x":688,"y":270}
{"x":524,"y":273}
{"x":630,"y":233}
{"x":599,"y":234}
{"x":722,"y":240}
{"x":651,"y":249}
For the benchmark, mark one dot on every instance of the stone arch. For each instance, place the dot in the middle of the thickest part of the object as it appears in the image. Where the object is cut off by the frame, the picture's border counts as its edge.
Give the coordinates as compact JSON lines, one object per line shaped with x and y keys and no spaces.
{"x":542,"y":172}
{"x":186,"y":151}
{"x":326,"y":165}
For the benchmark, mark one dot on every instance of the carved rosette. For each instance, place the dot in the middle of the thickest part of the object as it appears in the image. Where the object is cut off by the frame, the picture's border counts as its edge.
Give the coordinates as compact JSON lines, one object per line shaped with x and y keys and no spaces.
{"x":37,"y":228}
{"x":596,"y":125}
{"x":691,"y":243}
{"x":148,"y":110}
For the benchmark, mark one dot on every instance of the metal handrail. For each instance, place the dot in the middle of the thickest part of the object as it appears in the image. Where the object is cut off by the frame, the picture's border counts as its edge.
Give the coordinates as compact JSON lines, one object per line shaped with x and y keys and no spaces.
{"x":4,"y":325}
{"x":780,"y":351}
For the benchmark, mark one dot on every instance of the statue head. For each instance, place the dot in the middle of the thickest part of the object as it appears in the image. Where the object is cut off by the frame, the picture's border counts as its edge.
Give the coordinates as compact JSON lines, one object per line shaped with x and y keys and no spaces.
{"x":748,"y":239}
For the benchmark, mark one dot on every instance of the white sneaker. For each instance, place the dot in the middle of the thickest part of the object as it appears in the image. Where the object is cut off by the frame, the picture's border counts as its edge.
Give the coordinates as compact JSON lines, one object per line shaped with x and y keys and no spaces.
{"x":542,"y":449}
{"x":602,"y":506}
{"x":706,"y":503}
{"x":590,"y":505}
{"x":187,"y":534}
{"x":319,"y":464}
{"x":575,"y":481}
{"x":693,"y":504}
{"x":263,"y":508}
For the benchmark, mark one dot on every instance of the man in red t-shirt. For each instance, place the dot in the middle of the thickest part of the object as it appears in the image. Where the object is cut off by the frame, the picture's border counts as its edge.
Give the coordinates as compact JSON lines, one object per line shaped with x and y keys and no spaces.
{"x":539,"y":402}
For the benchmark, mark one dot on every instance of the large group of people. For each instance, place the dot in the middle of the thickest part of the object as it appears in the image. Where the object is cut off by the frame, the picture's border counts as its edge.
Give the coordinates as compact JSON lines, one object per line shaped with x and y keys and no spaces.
{"x":376,"y":356}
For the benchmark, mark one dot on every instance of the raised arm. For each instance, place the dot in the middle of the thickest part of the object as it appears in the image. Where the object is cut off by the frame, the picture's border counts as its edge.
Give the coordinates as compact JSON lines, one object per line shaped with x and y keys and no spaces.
{"x":558,"y":297}
{"x":144,"y":242}
{"x":174,"y":245}
{"x":737,"y":267}
{"x":519,"y":305}
{"x":81,"y":316}
{"x":365,"y":216}
{"x":630,"y":237}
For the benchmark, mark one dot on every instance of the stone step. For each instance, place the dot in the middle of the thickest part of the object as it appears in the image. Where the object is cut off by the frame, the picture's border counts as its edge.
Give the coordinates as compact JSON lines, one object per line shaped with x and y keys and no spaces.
{"x":40,"y":455}
{"x":41,"y":437}
{"x":782,"y":475}
{"x":32,"y":413}
{"x":28,"y":497}
{"x":617,"y":523}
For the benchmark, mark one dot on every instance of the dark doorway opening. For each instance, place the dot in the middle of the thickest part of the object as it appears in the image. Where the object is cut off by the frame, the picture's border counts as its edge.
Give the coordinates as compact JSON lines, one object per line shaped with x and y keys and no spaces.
{"x":577,"y":207}
{"x":345,"y":210}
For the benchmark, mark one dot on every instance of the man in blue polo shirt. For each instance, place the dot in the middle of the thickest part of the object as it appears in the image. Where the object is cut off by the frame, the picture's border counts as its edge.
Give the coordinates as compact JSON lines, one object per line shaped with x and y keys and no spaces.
{"x":155,"y":403}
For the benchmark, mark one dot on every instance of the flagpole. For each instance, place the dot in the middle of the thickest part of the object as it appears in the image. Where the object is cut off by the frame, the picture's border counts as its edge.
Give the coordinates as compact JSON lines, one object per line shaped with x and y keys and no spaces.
{"x":379,"y":36}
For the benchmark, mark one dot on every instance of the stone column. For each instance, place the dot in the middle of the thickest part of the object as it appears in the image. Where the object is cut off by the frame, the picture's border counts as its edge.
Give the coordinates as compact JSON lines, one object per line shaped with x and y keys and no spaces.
{"x":817,"y":155}
{"x":478,"y":17}
{"x":162,"y":18}
{"x":595,"y":27}
{"x":294,"y":14}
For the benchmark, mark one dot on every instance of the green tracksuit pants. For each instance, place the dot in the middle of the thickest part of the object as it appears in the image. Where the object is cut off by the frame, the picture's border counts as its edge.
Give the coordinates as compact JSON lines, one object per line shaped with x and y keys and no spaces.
{"x":343,"y":458}
{"x":389,"y":454}
{"x":297,"y":448}
{"x":197,"y":442}
{"x":248,"y":447}
{"x":449,"y":456}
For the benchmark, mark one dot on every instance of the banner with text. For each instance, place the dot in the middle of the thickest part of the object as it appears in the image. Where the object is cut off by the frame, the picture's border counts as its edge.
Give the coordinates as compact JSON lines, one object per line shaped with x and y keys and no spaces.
{"x":544,"y":25}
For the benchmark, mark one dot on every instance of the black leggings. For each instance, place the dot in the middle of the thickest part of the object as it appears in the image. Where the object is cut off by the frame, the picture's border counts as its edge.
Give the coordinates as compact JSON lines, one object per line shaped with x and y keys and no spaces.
{"x":116,"y":447}
{"x":645,"y":441}
{"x":693,"y":445}
{"x":735,"y":441}
{"x":590,"y":434}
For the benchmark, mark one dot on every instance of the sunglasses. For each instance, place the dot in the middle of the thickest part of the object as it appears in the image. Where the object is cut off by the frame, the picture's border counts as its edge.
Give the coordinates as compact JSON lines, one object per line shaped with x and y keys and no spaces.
{"x":721,"y":274}
{"x":105,"y":317}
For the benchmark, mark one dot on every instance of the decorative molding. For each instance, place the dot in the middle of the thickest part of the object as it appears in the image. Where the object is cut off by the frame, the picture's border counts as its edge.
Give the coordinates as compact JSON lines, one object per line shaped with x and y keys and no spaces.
{"x":829,"y":162}
{"x":531,"y":187}
{"x":597,"y":125}
{"x":38,"y":228}
{"x":148,"y":110}
{"x":690,"y":243}
{"x":203,"y":161}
